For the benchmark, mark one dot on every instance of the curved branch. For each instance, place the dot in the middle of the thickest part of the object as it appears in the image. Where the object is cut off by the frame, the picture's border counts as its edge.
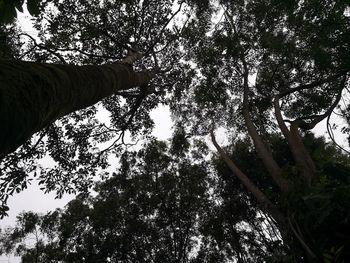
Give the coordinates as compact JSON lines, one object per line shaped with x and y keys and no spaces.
{"x":300,"y":154}
{"x":313,"y":84}
{"x":59,"y":56}
{"x":150,"y":49}
{"x":309,"y":252}
{"x":331,"y":135}
{"x":264,"y":152}
{"x":319,"y":118}
{"x":251,"y":187}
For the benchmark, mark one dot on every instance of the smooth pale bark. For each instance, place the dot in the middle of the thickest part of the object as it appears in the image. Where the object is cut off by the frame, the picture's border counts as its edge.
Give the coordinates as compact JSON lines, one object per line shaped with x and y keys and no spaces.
{"x":34,"y":95}
{"x":251,"y":187}
{"x":300,"y":154}
{"x":262,"y":199}
{"x":264,"y":152}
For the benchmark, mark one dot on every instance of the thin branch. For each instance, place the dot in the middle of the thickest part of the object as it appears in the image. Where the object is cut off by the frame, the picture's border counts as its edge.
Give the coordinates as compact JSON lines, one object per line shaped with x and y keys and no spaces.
{"x":331,"y":135}
{"x":313,"y":84}
{"x":116,"y":42}
{"x":301,"y":241}
{"x":319,"y":118}
{"x":59,"y":56}
{"x":155,"y":42}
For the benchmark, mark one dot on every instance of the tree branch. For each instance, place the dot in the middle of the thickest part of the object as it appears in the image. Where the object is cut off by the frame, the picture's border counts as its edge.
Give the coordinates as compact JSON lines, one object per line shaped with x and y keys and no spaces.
{"x":313,"y":84}
{"x":331,"y":135}
{"x":59,"y":56}
{"x":263,"y":200}
{"x":318,"y":118}
{"x":264,"y":153}
{"x":150,"y":49}
{"x":307,"y":249}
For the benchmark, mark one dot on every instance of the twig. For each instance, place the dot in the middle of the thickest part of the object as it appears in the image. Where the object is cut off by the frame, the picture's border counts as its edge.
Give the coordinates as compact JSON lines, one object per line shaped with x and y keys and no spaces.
{"x":314,"y":84}
{"x":59,"y":56}
{"x":331,"y":135}
{"x":301,"y":241}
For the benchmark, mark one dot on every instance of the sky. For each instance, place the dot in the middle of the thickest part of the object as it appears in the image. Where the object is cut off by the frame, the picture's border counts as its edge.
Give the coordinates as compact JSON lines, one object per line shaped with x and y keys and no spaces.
{"x":33,"y":199}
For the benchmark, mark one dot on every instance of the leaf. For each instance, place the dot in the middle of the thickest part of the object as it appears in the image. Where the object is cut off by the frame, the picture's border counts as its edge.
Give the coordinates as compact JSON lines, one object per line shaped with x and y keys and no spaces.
{"x":33,"y":7}
{"x":7,"y":13}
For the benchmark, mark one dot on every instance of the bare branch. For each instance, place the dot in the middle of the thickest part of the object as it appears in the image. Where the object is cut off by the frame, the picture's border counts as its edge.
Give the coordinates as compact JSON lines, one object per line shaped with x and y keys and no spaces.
{"x":59,"y":56}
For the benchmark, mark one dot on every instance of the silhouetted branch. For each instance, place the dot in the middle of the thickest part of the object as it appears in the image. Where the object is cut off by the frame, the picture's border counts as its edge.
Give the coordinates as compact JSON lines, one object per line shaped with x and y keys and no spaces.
{"x":313,"y":84}
{"x":59,"y":56}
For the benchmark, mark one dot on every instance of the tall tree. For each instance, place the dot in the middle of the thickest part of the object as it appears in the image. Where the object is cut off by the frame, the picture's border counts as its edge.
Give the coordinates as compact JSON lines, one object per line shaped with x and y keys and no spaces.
{"x":35,"y":94}
{"x":148,"y":212}
{"x":267,"y":68}
{"x":249,"y":67}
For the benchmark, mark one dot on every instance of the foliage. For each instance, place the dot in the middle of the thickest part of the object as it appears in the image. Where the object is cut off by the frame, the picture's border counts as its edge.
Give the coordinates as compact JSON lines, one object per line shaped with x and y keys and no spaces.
{"x":149,"y":211}
{"x":8,"y":9}
{"x":265,"y":72}
{"x":81,"y":144}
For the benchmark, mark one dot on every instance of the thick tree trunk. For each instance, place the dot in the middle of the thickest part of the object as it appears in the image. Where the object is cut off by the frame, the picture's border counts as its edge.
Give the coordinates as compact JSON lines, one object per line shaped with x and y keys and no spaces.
{"x":34,"y":95}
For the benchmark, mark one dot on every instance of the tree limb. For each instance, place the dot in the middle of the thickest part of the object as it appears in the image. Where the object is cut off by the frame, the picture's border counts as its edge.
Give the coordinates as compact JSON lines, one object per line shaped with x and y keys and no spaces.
{"x":313,"y":84}
{"x":263,"y":200}
{"x":264,"y":153}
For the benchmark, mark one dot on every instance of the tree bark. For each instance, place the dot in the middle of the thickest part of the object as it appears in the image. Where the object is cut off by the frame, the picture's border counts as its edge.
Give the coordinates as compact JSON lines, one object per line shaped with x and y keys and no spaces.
{"x":263,"y":152}
{"x":300,"y":154}
{"x":34,"y":95}
{"x":262,"y":199}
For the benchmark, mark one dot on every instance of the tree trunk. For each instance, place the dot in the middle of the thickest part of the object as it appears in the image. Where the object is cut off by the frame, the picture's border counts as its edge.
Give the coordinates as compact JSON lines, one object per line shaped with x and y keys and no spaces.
{"x":265,"y":203}
{"x":34,"y":95}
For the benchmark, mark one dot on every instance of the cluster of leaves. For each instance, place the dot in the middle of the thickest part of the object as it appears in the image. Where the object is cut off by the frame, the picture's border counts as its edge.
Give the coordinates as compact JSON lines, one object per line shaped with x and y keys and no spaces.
{"x":163,"y":204}
{"x":166,"y":203}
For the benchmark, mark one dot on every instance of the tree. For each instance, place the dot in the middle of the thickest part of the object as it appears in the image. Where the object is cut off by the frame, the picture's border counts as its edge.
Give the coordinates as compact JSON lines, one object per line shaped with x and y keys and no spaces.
{"x":148,"y":212}
{"x":293,"y":52}
{"x":162,"y":196}
{"x":259,"y":69}
{"x":51,"y":91}
{"x":76,"y":164}
{"x":8,"y":9}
